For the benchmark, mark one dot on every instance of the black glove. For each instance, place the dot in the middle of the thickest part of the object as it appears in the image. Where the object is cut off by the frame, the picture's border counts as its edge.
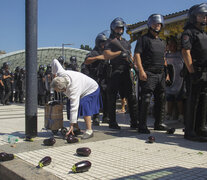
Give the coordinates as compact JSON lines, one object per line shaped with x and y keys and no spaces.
{"x":194,"y":77}
{"x":168,"y":83}
{"x":125,"y":54}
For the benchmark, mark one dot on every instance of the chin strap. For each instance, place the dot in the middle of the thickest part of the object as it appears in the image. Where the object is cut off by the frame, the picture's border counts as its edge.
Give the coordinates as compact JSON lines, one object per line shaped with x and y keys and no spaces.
{"x":156,"y":31}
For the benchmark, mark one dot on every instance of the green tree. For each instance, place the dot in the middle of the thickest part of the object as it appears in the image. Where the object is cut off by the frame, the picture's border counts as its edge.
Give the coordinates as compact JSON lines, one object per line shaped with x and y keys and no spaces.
{"x":86,"y":47}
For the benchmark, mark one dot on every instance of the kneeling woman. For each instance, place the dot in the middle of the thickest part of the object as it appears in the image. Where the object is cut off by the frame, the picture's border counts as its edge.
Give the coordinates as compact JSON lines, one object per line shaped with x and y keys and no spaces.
{"x":83,"y":93}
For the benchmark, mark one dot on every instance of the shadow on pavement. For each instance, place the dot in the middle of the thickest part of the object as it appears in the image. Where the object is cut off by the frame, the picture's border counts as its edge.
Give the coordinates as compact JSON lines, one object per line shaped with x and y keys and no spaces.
{"x":176,"y":172}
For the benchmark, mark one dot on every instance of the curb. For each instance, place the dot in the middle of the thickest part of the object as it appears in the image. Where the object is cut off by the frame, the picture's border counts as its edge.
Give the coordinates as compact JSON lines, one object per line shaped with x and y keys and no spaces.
{"x":18,"y":169}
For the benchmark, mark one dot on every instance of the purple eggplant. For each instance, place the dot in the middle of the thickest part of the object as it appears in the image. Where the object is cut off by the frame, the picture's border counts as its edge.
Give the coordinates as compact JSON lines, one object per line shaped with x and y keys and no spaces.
{"x":49,"y":142}
{"x":84,"y":151}
{"x":81,"y":166}
{"x":151,"y":139}
{"x":45,"y":161}
{"x":6,"y":157}
{"x":72,"y":139}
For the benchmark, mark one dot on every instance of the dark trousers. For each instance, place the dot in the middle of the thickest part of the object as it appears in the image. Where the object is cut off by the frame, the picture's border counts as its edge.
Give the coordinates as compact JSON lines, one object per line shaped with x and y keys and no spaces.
{"x":120,"y":81}
{"x":155,"y":85}
{"x":195,"y":115}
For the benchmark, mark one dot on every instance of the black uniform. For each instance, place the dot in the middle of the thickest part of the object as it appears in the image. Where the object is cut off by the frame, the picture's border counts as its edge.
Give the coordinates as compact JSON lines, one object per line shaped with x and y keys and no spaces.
{"x":120,"y":81}
{"x":21,"y":85}
{"x":152,"y":52}
{"x":16,"y":83}
{"x":195,"y":40}
{"x":7,"y":85}
{"x":48,"y":80}
{"x":98,"y":71}
{"x":11,"y":98}
{"x":72,"y":67}
{"x":1,"y":87}
{"x":41,"y":86}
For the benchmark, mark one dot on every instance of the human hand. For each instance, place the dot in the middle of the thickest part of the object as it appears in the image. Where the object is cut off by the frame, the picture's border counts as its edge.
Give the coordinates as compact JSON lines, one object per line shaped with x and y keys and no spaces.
{"x":142,"y":76}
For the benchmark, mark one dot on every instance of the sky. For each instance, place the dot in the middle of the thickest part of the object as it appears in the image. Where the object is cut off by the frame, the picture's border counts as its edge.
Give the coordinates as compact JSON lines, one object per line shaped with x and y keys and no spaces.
{"x":77,"y":21}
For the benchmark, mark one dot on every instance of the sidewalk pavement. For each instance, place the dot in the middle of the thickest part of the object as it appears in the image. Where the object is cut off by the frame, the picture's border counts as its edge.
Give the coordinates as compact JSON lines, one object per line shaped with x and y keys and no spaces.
{"x":118,"y":155}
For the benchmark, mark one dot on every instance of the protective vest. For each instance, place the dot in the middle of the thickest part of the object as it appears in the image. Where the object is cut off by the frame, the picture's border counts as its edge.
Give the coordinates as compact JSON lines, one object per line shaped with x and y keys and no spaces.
{"x":199,"y":47}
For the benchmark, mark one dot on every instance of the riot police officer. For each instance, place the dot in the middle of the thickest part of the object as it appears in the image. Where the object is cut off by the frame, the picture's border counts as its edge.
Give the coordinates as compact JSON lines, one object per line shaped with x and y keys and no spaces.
{"x":48,"y":80}
{"x":7,"y":83}
{"x":41,"y":86}
{"x":73,"y":64}
{"x":96,"y":64}
{"x":120,"y":80}
{"x":149,"y":56}
{"x":11,"y":98}
{"x":61,"y":60}
{"x":194,"y":50}
{"x":21,"y":85}
{"x":16,"y":83}
{"x":1,"y":86}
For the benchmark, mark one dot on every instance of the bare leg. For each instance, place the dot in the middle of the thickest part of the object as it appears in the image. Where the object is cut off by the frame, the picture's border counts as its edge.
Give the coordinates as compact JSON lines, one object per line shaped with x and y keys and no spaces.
{"x":180,"y":107}
{"x":88,"y":122}
{"x":169,"y":108}
{"x":123,"y":103}
{"x":89,"y":131}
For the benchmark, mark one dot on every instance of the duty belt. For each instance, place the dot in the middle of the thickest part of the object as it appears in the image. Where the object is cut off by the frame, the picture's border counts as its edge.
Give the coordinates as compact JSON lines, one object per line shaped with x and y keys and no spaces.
{"x":200,"y":69}
{"x":204,"y":76}
{"x":156,"y":71}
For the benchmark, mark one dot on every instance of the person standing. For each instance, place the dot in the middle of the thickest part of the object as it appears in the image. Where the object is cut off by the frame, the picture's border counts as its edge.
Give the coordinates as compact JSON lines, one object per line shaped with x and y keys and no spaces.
{"x":21,"y":85}
{"x":97,"y":65}
{"x":73,"y":64}
{"x":41,"y":86}
{"x":16,"y":83}
{"x":48,"y":80}
{"x":175,"y":89}
{"x":120,"y":80}
{"x":194,"y":51}
{"x":7,"y":83}
{"x":1,"y":86}
{"x":149,"y":57}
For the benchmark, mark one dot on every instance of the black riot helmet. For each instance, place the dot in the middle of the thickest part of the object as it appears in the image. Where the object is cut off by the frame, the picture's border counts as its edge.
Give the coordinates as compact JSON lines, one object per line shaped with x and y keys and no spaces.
{"x":100,"y":38}
{"x":117,"y":23}
{"x":49,"y":66}
{"x":155,"y":19}
{"x":22,"y":70}
{"x":61,"y":59}
{"x":5,"y":65}
{"x":41,"y":67}
{"x":73,"y":59}
{"x":17,"y":69}
{"x":195,"y":10}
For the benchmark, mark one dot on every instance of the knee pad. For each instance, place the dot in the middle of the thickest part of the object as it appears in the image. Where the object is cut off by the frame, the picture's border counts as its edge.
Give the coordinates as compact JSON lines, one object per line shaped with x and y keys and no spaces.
{"x":146,"y":98}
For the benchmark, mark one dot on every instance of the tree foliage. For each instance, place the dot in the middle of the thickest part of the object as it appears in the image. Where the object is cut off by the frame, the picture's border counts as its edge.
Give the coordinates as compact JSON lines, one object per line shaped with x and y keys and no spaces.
{"x":86,"y":47}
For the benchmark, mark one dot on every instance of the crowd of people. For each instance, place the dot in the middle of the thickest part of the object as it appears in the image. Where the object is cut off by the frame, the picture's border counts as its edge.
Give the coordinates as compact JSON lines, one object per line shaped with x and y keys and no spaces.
{"x":172,"y":71}
{"x":12,"y":85}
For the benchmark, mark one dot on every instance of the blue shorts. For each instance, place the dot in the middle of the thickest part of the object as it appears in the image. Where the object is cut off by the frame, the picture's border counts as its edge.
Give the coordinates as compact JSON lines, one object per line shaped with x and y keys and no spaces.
{"x":89,"y":105}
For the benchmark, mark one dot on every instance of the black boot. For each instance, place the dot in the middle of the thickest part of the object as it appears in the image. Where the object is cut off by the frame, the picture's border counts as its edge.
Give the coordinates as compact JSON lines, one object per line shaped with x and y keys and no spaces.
{"x":105,"y":119}
{"x":159,"y":113}
{"x":112,"y":112}
{"x":145,"y":101}
{"x":200,"y":124}
{"x":95,"y":119}
{"x":133,"y":111}
{"x":189,"y":117}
